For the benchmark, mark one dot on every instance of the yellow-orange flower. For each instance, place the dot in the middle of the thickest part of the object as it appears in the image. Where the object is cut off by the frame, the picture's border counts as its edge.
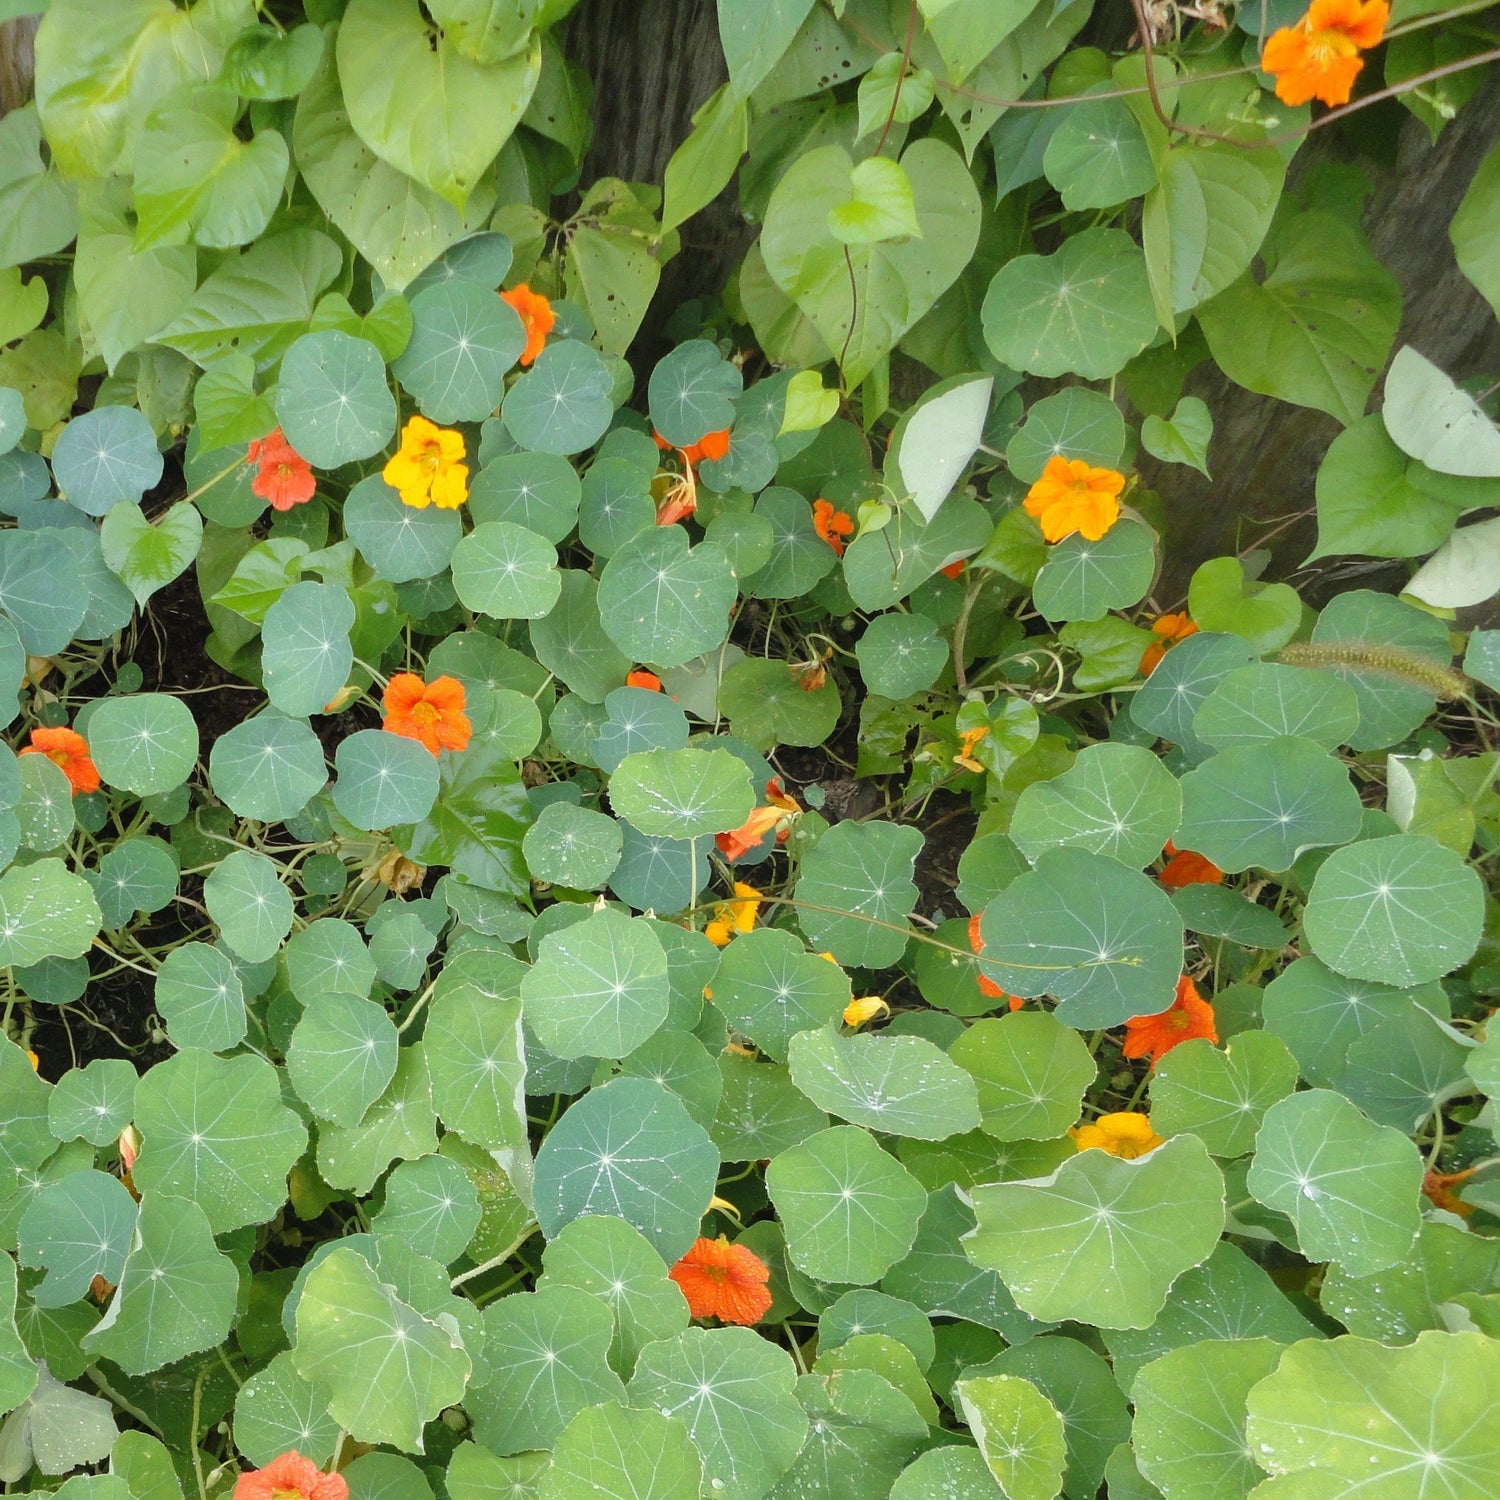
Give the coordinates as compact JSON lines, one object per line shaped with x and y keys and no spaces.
{"x":867,"y":1008}
{"x":1170,"y":629}
{"x":536,"y":315}
{"x":291,"y":1477}
{"x":69,"y":752}
{"x":1074,"y":496}
{"x":1319,"y":57}
{"x":734,"y":916}
{"x":1187,"y":1017}
{"x":723,"y":1281}
{"x":640,"y":678}
{"x":1184,"y":867}
{"x":987,"y":986}
{"x":1438,"y":1189}
{"x":432,"y":712}
{"x":832,"y":524}
{"x":1127,"y":1134}
{"x":428,"y":468}
{"x":754,"y":829}
{"x":967,"y":741}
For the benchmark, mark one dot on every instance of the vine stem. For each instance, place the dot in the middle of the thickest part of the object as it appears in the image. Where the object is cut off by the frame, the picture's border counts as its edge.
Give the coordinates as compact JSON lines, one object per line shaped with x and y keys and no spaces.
{"x":911,"y":36}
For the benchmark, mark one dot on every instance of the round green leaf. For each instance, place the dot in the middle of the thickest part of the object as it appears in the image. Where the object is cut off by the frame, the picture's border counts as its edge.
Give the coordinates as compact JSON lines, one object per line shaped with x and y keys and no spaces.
{"x":571,"y":846}
{"x":897,"y":1085}
{"x":571,"y":642}
{"x":1031,"y":1072}
{"x":682,"y":794}
{"x":399,"y":541}
{"x":598,"y":988}
{"x":1071,"y":423}
{"x":767,"y":705}
{"x":145,"y":743}
{"x":307,"y":655}
{"x":328,"y":955}
{"x":1085,"y":310}
{"x":1401,"y":910}
{"x":900,"y":655}
{"x":1350,"y":1186}
{"x":1117,"y":800}
{"x":761,"y":1112}
{"x":1221,"y":1097}
{"x":734,"y":1391}
{"x":664,"y":602}
{"x":46,"y":911}
{"x":40,"y":589}
{"x":953,"y":1472}
{"x":692,"y":393}
{"x":1403,"y":1069}
{"x":215,"y":1131}
{"x":106,"y":457}
{"x":1264,"y":804}
{"x":562,"y":403}
{"x":1019,"y":1432}
{"x":45,"y":810}
{"x":606,"y":1449}
{"x":1084,"y":580}
{"x":1102,"y":1239}
{"x":464,"y":339}
{"x":1169,"y":699}
{"x":432,"y":1203}
{"x":199,"y":996}
{"x":476,"y":1055}
{"x":78,"y":1227}
{"x":1105,"y":941}
{"x":629,"y":1149}
{"x":267,"y":768}
{"x":616,"y":505}
{"x":384,"y":779}
{"x":659,"y":874}
{"x":332,"y":401}
{"x":93,"y":1102}
{"x":539,"y":491}
{"x":342,"y":1056}
{"x":769,"y":987}
{"x":276,"y":1410}
{"x":1098,"y":156}
{"x":855,"y":890}
{"x":638,"y":720}
{"x":245,"y":896}
{"x":1266,"y":701}
{"x":850,"y":1210}
{"x":507,"y":572}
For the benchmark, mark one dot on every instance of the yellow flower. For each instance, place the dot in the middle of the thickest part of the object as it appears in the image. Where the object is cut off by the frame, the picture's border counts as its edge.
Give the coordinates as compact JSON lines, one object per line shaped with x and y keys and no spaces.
{"x":968,"y":740}
{"x":734,"y":916}
{"x":428,"y":469}
{"x":1127,"y":1134}
{"x":857,"y":1012}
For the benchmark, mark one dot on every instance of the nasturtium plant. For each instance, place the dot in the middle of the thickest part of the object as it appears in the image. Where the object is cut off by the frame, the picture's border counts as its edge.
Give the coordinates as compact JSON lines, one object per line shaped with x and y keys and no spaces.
{"x":661,"y":837}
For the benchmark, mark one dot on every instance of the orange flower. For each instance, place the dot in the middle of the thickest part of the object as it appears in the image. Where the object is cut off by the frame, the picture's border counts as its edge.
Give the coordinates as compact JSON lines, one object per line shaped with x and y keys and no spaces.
{"x":760,"y":822}
{"x":954,"y":568}
{"x":1127,"y":1134}
{"x":643,"y":679}
{"x":967,"y":741}
{"x":734,"y":916}
{"x":722,"y":1281}
{"x":69,"y":751}
{"x":1183,"y":867}
{"x":857,"y":1012}
{"x":987,"y":986}
{"x":282,"y":475}
{"x":832,"y":525}
{"x":290,"y":1477}
{"x":1074,"y":496}
{"x":1437,"y":1188}
{"x":711,"y":446}
{"x":1171,"y":629}
{"x":428,"y":468}
{"x":430,"y":712}
{"x":537,"y":318}
{"x":1187,"y":1017}
{"x":1319,"y":57}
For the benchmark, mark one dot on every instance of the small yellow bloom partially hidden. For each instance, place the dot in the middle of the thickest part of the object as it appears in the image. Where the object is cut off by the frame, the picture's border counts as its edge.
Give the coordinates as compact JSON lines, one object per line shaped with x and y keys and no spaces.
{"x":428,"y":468}
{"x":857,"y":1012}
{"x":734,"y":916}
{"x":967,"y":741}
{"x":724,"y":1206}
{"x":36,"y":1062}
{"x":1127,"y":1134}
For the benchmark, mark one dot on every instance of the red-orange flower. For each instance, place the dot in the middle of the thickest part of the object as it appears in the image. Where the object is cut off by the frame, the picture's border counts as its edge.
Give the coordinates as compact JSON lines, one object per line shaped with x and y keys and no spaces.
{"x":832,"y":524}
{"x":1184,"y":867}
{"x":761,"y":821}
{"x":987,"y":986}
{"x":680,"y":503}
{"x":1438,"y":1189}
{"x":1319,"y":57}
{"x":1074,"y":496}
{"x":290,"y":1477}
{"x":537,"y":318}
{"x":282,"y":475}
{"x":1170,"y":629}
{"x":711,"y":446}
{"x":954,"y":568}
{"x":68,"y":751}
{"x":1187,"y":1017}
{"x":643,"y":679}
{"x":723,"y":1281}
{"x":432,"y":713}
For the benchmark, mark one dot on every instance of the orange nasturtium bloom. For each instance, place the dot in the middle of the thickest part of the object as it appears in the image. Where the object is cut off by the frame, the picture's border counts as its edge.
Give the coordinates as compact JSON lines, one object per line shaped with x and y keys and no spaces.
{"x":1187,"y":1017}
{"x":1319,"y":57}
{"x":431,"y":712}
{"x":1184,"y":867}
{"x":537,"y":318}
{"x":282,"y":475}
{"x":734,"y":916}
{"x":1074,"y":496}
{"x":760,"y":822}
{"x":1438,"y":1189}
{"x":967,"y":742}
{"x":429,"y":468}
{"x":1127,"y":1134}
{"x":290,"y":1477}
{"x":832,"y":524}
{"x":69,"y":751}
{"x":987,"y":986}
{"x":723,"y":1281}
{"x":643,"y":679}
{"x":1169,"y":629}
